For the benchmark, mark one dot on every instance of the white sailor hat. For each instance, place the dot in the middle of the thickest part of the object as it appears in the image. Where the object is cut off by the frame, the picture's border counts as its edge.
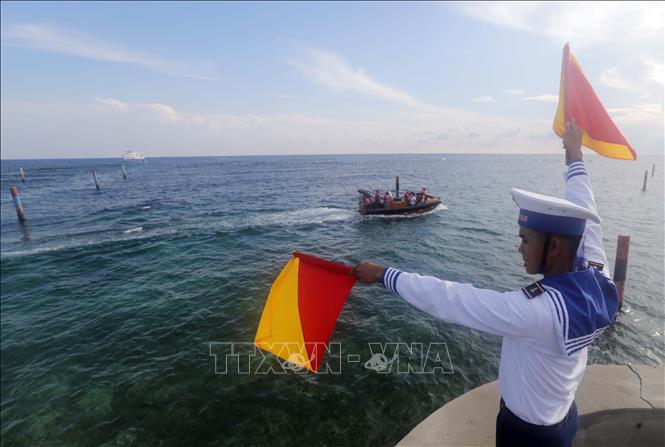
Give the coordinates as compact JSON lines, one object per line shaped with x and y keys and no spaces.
{"x":551,"y":214}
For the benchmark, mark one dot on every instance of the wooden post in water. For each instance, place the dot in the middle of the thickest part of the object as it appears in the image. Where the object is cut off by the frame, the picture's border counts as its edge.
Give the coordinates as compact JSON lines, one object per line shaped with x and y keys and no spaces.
{"x":644,"y":187}
{"x":17,"y":203}
{"x":20,"y":170}
{"x":94,"y":175}
{"x":396,"y":187}
{"x":653,"y":168}
{"x":621,"y":265}
{"x":124,"y":173}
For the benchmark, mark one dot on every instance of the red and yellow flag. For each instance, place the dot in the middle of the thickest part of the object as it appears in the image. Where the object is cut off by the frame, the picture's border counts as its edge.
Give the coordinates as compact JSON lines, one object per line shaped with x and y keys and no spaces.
{"x":578,"y":100}
{"x":302,"y":309}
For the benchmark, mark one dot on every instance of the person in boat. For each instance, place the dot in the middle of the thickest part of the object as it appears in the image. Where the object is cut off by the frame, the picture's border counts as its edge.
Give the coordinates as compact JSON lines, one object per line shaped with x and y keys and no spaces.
{"x":367,"y":202}
{"x":425,"y":194}
{"x":412,"y":199}
{"x":377,"y":200}
{"x":547,"y":326}
{"x":388,"y":199}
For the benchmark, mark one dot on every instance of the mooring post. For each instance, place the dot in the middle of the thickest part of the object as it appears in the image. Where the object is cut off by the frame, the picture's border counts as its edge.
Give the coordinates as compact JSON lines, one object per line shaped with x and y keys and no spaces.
{"x":20,"y":170}
{"x":644,"y":187}
{"x":17,"y":203}
{"x":94,"y":175}
{"x":653,"y":169}
{"x":124,"y":173}
{"x":397,"y":187}
{"x":621,"y":265}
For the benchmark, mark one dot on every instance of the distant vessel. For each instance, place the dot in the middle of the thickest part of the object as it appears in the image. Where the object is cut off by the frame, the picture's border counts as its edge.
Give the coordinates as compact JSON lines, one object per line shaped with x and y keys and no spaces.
{"x":133,"y":155}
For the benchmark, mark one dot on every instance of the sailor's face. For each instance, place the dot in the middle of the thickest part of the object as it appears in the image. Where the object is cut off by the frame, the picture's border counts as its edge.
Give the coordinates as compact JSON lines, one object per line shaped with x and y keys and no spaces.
{"x":531,"y":249}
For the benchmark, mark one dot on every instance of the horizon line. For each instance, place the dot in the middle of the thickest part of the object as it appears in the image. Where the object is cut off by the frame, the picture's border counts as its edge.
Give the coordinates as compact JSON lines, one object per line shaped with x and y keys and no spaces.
{"x":588,"y":153}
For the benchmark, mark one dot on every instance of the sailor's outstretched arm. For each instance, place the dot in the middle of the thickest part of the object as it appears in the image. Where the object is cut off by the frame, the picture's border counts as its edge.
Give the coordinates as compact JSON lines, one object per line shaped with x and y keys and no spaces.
{"x":579,"y":191}
{"x":499,"y":313}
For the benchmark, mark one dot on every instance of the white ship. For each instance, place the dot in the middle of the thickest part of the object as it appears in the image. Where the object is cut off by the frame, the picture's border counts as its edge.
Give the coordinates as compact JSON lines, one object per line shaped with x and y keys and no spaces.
{"x":133,"y":155}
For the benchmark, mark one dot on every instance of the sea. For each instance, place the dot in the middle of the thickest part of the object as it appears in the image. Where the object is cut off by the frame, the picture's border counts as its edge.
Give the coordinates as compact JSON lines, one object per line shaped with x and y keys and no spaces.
{"x":128,"y":313}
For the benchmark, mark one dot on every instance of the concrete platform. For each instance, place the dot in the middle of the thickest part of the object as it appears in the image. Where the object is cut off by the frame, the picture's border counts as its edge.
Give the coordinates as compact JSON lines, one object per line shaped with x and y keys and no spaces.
{"x":618,"y":405}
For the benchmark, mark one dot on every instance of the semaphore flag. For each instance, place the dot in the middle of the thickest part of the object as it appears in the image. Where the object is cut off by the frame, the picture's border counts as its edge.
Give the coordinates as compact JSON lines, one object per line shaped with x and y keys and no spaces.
{"x":302,"y":309}
{"x":578,"y":100}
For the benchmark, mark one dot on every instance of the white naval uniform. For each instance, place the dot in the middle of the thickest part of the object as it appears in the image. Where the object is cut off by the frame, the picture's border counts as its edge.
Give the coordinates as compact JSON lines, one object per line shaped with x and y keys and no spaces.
{"x":538,"y":378}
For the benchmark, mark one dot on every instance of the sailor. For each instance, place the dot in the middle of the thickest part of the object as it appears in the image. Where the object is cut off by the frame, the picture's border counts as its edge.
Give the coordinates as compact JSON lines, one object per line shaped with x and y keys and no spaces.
{"x":547,"y":326}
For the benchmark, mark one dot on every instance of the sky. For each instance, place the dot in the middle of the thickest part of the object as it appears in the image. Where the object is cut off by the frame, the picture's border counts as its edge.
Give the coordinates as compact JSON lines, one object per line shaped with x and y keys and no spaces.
{"x":93,"y":79}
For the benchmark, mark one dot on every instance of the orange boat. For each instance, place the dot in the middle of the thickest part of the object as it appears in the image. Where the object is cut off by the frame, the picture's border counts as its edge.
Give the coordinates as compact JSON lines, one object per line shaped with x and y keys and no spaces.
{"x":398,"y":205}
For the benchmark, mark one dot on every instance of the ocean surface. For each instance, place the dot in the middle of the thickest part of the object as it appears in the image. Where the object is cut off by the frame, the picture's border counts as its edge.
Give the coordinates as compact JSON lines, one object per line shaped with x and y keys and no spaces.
{"x":112,"y":301}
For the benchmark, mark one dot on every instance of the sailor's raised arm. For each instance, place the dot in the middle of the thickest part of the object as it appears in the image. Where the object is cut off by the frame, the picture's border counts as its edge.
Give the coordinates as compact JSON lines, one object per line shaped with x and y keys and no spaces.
{"x":499,"y":313}
{"x":579,"y":191}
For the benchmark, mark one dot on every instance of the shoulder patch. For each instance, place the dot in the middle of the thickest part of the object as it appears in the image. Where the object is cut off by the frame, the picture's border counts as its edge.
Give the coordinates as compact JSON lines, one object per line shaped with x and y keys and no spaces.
{"x":596,"y":265}
{"x":533,"y":290}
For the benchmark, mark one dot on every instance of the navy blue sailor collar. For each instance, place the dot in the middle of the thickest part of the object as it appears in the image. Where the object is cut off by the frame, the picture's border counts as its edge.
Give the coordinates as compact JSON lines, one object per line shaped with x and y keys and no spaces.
{"x":586,"y":302}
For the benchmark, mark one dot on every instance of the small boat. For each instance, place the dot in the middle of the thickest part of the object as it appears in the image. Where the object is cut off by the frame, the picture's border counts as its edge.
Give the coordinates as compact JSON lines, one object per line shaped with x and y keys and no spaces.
{"x":133,"y":155}
{"x":399,"y":206}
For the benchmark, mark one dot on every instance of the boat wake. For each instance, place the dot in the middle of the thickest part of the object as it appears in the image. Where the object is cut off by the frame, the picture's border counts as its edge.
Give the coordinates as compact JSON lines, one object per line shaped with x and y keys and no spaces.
{"x":316,"y":215}
{"x":132,"y":235}
{"x":438,"y":209}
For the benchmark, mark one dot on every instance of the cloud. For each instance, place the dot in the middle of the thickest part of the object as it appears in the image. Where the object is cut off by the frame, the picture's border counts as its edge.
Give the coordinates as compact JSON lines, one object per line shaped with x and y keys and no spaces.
{"x":332,"y":71}
{"x":584,"y":23}
{"x":37,"y":129}
{"x":612,"y":78}
{"x":484,"y":99}
{"x":48,"y":38}
{"x":151,"y":110}
{"x":513,"y":91}
{"x":106,"y":125}
{"x":509,"y":133}
{"x":113,"y":103}
{"x":544,"y":136}
{"x":543,"y":98}
{"x":655,"y":71}
{"x":637,"y":114}
{"x":629,"y":33}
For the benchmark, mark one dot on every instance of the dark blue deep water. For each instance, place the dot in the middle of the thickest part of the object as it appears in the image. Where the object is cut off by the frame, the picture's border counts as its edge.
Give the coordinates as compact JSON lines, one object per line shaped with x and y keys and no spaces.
{"x":110,"y":299}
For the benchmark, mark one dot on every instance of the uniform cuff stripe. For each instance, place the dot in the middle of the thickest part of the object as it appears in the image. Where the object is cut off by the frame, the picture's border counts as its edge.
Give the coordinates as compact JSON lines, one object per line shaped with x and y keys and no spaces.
{"x":389,"y":278}
{"x":576,"y":168}
{"x":574,"y":174}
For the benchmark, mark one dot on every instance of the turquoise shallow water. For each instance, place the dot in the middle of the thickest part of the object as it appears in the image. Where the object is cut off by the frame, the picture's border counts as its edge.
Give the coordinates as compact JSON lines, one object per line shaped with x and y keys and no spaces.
{"x":110,"y":299}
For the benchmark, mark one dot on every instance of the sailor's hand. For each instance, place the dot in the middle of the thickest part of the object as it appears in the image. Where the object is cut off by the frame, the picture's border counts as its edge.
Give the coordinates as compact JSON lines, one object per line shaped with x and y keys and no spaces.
{"x":368,"y":272}
{"x":572,"y":142}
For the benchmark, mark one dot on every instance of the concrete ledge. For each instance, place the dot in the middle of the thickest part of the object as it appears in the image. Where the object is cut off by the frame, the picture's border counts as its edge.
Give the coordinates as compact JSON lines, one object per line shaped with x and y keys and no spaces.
{"x":642,"y":428}
{"x":606,"y":393}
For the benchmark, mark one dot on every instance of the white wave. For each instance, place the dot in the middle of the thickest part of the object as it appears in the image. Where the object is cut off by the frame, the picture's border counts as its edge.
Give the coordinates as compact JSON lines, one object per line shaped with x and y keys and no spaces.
{"x":35,"y":251}
{"x":79,"y":244}
{"x":315,"y":215}
{"x":145,"y":207}
{"x":133,"y":230}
